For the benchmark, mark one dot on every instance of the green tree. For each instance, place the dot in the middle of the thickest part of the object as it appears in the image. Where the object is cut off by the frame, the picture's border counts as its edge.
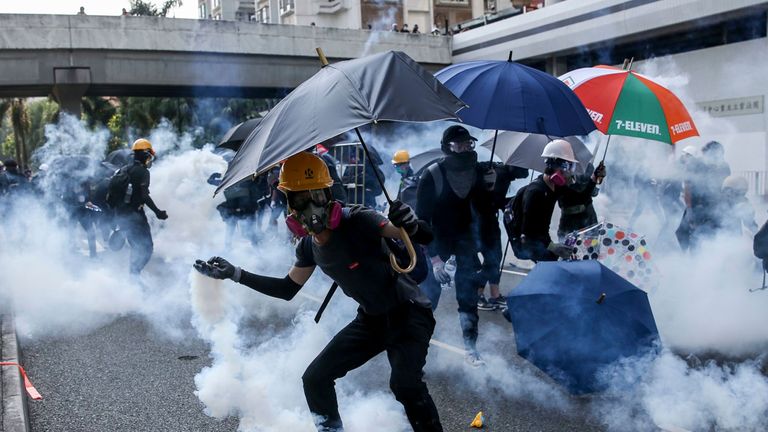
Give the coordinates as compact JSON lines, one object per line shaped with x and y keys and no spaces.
{"x":148,"y":8}
{"x":20,"y":123}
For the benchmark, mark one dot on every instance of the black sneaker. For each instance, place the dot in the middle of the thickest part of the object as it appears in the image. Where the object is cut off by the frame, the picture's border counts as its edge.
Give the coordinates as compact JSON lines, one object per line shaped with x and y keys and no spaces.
{"x":484,"y":305}
{"x":499,"y":302}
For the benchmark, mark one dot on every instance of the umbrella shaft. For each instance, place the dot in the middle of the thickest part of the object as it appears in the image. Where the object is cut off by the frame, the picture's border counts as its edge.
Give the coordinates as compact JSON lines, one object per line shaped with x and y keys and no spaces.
{"x":375,"y":171}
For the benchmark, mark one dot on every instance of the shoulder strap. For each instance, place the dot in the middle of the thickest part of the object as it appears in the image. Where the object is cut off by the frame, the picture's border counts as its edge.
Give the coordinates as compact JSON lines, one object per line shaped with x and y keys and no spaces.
{"x":437,"y":177}
{"x":327,"y":300}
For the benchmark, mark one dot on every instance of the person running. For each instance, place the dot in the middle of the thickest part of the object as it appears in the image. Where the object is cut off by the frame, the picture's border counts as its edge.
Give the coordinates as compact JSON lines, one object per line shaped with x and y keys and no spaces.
{"x":348,"y":244}
{"x":130,"y":216}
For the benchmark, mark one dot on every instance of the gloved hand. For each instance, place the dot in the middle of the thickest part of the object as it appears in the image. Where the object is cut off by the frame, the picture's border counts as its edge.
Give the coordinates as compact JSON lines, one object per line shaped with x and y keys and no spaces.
{"x":273,"y":204}
{"x":402,"y":216}
{"x":438,"y":269}
{"x":599,"y":172}
{"x":560,"y":250}
{"x":218,"y":268}
{"x":162,"y":215}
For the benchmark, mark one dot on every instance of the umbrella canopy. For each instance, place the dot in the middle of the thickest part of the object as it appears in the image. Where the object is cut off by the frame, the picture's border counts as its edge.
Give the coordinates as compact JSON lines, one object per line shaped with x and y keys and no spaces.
{"x":424,"y":159}
{"x":623,"y":102}
{"x":572,"y":318}
{"x":235,"y":136}
{"x":504,"y":95}
{"x":621,"y":250}
{"x":524,"y":150}
{"x":341,"y":97}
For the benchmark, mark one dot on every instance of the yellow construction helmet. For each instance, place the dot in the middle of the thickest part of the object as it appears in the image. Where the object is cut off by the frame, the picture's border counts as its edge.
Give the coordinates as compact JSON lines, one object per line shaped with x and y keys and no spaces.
{"x":143,"y":144}
{"x":304,"y":171}
{"x":401,"y":156}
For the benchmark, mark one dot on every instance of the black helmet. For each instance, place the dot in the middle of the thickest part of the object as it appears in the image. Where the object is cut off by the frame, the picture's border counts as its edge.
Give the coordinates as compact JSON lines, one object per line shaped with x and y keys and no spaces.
{"x":453,"y":133}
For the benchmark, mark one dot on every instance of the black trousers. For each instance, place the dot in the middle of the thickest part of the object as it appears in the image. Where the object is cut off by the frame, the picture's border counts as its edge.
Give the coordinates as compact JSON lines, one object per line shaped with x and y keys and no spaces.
{"x":404,"y":334}
{"x":139,"y":236}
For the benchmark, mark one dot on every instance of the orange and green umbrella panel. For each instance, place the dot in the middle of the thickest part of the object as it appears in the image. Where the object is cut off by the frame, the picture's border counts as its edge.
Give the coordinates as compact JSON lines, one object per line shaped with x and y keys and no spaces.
{"x":622,"y":102}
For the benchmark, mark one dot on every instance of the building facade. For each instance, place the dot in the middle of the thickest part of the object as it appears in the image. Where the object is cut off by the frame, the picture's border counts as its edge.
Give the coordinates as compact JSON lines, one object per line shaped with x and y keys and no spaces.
{"x":350,"y":14}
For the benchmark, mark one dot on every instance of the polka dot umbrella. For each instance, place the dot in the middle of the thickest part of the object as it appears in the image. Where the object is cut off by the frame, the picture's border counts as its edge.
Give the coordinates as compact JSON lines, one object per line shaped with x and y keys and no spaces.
{"x":621,"y":250}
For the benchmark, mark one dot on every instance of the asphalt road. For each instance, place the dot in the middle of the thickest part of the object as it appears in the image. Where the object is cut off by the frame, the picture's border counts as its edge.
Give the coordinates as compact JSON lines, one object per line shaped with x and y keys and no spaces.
{"x":124,"y":377}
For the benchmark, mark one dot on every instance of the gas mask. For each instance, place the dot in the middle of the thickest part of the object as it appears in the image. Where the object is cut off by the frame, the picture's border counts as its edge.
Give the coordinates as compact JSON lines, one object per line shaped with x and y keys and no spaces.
{"x":312,"y":212}
{"x":402,"y":169}
{"x":560,"y":172}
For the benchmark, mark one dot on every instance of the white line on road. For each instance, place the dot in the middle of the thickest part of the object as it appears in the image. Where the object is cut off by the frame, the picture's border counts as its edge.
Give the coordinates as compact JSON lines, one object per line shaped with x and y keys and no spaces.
{"x":515,"y":272}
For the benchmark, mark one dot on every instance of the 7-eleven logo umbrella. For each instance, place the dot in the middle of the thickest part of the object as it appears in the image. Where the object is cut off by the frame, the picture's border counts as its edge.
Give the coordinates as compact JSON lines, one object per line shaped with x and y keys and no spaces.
{"x":623,"y":102}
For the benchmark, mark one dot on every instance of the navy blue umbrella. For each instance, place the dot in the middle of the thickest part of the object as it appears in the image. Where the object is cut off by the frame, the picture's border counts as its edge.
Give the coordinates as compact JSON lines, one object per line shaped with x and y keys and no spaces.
{"x":571,"y":318}
{"x":505,"y":95}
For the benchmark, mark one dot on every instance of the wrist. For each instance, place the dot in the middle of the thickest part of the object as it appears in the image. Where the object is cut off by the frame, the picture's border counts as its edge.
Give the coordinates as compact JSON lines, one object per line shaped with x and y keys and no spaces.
{"x":237,"y":274}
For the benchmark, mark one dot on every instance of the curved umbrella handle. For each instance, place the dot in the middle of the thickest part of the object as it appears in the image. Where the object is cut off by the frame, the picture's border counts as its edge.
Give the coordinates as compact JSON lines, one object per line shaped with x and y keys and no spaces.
{"x":411,"y":255}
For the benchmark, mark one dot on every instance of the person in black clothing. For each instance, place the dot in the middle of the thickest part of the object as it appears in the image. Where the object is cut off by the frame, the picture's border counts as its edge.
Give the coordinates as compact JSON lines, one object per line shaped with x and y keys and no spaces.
{"x":493,"y":199}
{"x":575,"y":201}
{"x":131,"y":217}
{"x":445,"y":198}
{"x":338,"y":190}
{"x":347,"y":243}
{"x":539,"y":200}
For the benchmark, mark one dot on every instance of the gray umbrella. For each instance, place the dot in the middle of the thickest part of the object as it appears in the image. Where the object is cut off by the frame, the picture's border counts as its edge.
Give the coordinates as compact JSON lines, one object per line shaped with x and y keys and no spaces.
{"x":235,"y":136}
{"x":524,"y":150}
{"x":389,"y":86}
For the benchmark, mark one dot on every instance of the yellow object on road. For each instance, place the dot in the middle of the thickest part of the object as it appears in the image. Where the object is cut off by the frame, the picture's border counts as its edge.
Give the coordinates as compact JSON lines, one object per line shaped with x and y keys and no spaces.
{"x":478,"y":421}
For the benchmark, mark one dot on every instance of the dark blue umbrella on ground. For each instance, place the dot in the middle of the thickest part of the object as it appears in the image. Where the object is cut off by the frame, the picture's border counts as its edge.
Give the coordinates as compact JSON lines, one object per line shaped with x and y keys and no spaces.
{"x":505,"y":95}
{"x":573,"y":318}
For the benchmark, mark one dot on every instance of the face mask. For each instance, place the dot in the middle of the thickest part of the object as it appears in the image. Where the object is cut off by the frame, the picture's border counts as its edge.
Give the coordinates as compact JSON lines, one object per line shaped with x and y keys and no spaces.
{"x":401,"y":169}
{"x":309,"y":215}
{"x":558,"y":179}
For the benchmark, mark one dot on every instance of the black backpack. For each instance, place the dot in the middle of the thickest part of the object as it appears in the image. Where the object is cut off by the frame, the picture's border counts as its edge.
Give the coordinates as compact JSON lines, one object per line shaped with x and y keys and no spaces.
{"x":118,"y":187}
{"x":513,"y":224}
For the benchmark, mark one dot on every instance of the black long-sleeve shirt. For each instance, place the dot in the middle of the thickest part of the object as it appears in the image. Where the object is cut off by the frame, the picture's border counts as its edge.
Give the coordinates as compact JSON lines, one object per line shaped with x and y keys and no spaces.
{"x":139,"y":181}
{"x":538,"y":205}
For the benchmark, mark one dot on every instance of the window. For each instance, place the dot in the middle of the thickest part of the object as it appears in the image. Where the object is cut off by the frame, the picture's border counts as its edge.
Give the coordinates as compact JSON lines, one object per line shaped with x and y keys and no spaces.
{"x":203,"y":12}
{"x":287,"y":5}
{"x":216,"y":3}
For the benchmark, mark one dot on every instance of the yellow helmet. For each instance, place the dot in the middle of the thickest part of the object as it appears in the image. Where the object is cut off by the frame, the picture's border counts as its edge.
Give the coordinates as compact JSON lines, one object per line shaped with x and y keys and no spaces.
{"x":401,"y":156}
{"x":304,"y":171}
{"x":142,"y":144}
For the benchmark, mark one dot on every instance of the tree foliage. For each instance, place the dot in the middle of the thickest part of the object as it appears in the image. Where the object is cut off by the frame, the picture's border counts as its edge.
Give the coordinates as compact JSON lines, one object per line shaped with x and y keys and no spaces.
{"x":148,"y":8}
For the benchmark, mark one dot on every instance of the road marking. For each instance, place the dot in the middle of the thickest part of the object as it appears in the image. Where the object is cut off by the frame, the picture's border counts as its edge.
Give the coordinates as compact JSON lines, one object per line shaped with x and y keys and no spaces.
{"x":515,"y":272}
{"x":435,"y":342}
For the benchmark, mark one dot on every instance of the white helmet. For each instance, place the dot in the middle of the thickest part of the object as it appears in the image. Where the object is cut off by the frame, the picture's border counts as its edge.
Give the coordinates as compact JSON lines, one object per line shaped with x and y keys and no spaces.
{"x":559,"y":149}
{"x":691,"y":151}
{"x":738,"y":184}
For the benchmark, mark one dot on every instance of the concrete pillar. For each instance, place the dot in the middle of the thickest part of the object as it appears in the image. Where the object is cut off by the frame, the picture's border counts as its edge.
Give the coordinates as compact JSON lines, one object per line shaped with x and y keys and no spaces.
{"x":556,"y":66}
{"x":69,"y":86}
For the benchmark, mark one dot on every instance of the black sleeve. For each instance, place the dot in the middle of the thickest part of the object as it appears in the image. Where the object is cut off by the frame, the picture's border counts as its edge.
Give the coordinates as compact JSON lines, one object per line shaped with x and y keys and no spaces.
{"x":304,"y":256}
{"x":531,"y":198}
{"x":425,"y":197}
{"x":142,"y":186}
{"x":284,"y":288}
{"x":424,"y":234}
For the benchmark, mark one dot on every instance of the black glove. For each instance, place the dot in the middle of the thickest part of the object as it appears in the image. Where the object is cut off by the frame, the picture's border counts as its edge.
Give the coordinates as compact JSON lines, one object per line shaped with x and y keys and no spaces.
{"x":560,"y":250}
{"x":218,"y":268}
{"x":402,"y":216}
{"x":599,"y":172}
{"x":162,"y":215}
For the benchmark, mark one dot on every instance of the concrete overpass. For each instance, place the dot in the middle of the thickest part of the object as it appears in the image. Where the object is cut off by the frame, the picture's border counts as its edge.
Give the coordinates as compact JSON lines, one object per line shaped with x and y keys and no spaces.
{"x":549,"y":36}
{"x":73,"y":56}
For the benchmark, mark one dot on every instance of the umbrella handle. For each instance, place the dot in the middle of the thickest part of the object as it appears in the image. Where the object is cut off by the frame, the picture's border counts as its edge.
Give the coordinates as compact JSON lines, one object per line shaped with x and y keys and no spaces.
{"x":411,"y":255}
